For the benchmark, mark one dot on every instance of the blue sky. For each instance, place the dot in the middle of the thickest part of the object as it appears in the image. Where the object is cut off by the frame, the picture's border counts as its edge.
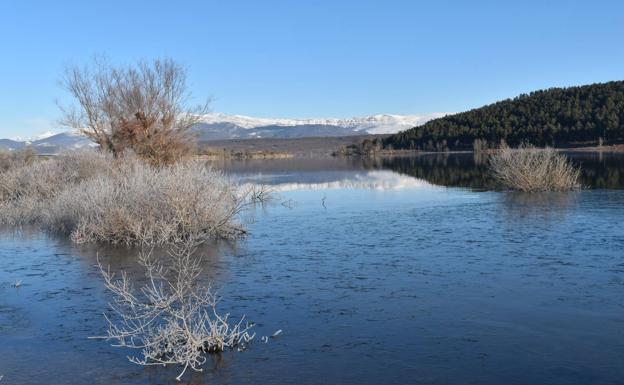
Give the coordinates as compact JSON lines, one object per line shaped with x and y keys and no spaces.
{"x":313,"y":58}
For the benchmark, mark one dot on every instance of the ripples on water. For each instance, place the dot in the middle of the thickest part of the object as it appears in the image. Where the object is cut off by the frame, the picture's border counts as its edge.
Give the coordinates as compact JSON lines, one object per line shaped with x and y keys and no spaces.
{"x":403,"y":276}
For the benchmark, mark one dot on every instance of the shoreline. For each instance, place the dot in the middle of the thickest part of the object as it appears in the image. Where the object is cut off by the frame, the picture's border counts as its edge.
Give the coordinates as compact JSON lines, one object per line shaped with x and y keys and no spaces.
{"x":315,"y":147}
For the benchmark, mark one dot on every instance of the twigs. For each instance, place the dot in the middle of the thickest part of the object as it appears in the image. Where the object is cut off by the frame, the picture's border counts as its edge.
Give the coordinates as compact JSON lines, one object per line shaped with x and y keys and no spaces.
{"x":171,"y":319}
{"x":144,"y":108}
{"x":530,"y":169}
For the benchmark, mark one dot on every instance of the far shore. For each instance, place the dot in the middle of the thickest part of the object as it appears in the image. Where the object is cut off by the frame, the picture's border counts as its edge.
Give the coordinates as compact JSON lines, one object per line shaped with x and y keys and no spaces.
{"x":269,"y":148}
{"x":619,"y":148}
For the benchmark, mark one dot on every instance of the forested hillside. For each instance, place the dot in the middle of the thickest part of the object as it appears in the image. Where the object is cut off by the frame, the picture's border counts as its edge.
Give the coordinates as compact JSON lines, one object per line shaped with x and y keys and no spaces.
{"x":559,"y":117}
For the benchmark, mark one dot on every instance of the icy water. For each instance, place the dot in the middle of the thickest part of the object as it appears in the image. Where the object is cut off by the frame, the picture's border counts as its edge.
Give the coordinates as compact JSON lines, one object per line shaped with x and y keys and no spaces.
{"x":388,"y":271}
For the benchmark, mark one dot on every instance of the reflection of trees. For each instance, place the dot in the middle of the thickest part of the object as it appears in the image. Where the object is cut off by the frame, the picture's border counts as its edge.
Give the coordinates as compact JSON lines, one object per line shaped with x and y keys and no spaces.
{"x":471,"y":170}
{"x":551,"y":206}
{"x":456,"y":170}
{"x":600,"y":170}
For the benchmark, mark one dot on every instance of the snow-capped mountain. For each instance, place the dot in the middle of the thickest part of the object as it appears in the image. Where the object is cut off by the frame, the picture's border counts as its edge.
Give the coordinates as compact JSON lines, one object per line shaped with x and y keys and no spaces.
{"x":50,"y":143}
{"x":218,"y":126}
{"x":374,"y":124}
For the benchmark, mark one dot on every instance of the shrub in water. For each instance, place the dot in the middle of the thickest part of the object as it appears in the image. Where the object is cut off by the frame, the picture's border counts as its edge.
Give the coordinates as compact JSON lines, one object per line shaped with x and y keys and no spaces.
{"x":95,"y":198}
{"x":530,"y":169}
{"x":171,"y":319}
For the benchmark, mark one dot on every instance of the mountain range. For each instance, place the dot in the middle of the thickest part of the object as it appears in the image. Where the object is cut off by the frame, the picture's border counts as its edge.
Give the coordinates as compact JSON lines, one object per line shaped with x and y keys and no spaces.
{"x":50,"y":144}
{"x":218,"y":126}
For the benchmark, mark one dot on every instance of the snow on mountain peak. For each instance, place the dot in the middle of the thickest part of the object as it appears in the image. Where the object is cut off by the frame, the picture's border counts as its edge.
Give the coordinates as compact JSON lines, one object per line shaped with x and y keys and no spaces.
{"x":45,"y":135}
{"x":374,"y":124}
{"x":219,"y":126}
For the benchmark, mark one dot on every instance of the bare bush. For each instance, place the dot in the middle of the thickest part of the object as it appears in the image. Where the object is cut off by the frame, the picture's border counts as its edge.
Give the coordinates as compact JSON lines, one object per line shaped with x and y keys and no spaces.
{"x":530,"y":169}
{"x":17,"y":158}
{"x":171,"y":319}
{"x":141,"y":204}
{"x":94,"y":198}
{"x":143,"y":107}
{"x":26,"y":191}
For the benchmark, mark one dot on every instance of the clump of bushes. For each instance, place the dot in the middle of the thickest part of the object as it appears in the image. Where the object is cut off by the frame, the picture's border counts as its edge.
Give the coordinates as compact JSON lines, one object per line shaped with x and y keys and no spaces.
{"x":16,"y":158}
{"x":93,"y":197}
{"x":530,"y":169}
{"x":141,"y":204}
{"x":27,"y":190}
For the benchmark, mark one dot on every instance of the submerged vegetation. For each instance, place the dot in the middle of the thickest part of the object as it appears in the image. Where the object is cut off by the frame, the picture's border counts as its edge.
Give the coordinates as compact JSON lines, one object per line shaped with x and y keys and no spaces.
{"x":529,"y":169}
{"x":171,"y":319}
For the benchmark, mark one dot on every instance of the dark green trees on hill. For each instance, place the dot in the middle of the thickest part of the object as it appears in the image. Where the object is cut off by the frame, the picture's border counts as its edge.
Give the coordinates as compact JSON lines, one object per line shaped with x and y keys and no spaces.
{"x":586,"y":115}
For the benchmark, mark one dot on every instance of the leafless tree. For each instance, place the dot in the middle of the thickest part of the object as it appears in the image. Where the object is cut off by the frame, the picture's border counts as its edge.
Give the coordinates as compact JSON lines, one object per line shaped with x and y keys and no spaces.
{"x":144,"y":107}
{"x":172,"y":320}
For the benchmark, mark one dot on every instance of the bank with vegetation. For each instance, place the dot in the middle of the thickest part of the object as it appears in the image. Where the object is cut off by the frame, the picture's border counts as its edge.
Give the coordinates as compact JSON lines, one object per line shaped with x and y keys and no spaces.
{"x":145,"y":185}
{"x":591,"y":115}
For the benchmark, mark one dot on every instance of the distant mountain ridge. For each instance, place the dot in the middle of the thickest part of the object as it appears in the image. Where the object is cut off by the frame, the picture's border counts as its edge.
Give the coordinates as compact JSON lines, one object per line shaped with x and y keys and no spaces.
{"x":218,"y":126}
{"x":51,"y":144}
{"x":373,"y":124}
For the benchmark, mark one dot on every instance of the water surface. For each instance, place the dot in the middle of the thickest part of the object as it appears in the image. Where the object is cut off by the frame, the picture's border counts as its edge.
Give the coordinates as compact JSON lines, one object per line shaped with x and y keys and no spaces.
{"x":394,"y":271}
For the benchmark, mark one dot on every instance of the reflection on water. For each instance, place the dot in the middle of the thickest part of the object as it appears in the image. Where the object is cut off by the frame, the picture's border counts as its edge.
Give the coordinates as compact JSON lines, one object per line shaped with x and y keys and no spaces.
{"x":452,"y":170}
{"x":370,"y":180}
{"x":376,"y":275}
{"x":547,"y":205}
{"x":598,"y":170}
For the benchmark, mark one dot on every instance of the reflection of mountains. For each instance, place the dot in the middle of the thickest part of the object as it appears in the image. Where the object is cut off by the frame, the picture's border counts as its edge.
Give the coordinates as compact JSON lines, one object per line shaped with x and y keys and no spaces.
{"x":467,"y":170}
{"x":598,"y":170}
{"x":372,"y":180}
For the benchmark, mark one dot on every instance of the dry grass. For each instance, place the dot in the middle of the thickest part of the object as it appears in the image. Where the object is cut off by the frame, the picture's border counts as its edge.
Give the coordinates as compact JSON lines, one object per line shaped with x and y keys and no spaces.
{"x":14,"y":159}
{"x":94,"y":198}
{"x":530,"y":169}
{"x":171,"y":319}
{"x":26,"y":190}
{"x":140,"y":204}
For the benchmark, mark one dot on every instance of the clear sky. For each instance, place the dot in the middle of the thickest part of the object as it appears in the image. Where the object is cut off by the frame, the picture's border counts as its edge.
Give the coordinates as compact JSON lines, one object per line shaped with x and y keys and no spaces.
{"x":313,"y":58}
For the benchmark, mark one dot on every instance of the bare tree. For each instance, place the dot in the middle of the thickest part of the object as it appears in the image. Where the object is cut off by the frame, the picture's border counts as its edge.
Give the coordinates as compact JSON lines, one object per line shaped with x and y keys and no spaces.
{"x":171,"y":319}
{"x":144,"y":107}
